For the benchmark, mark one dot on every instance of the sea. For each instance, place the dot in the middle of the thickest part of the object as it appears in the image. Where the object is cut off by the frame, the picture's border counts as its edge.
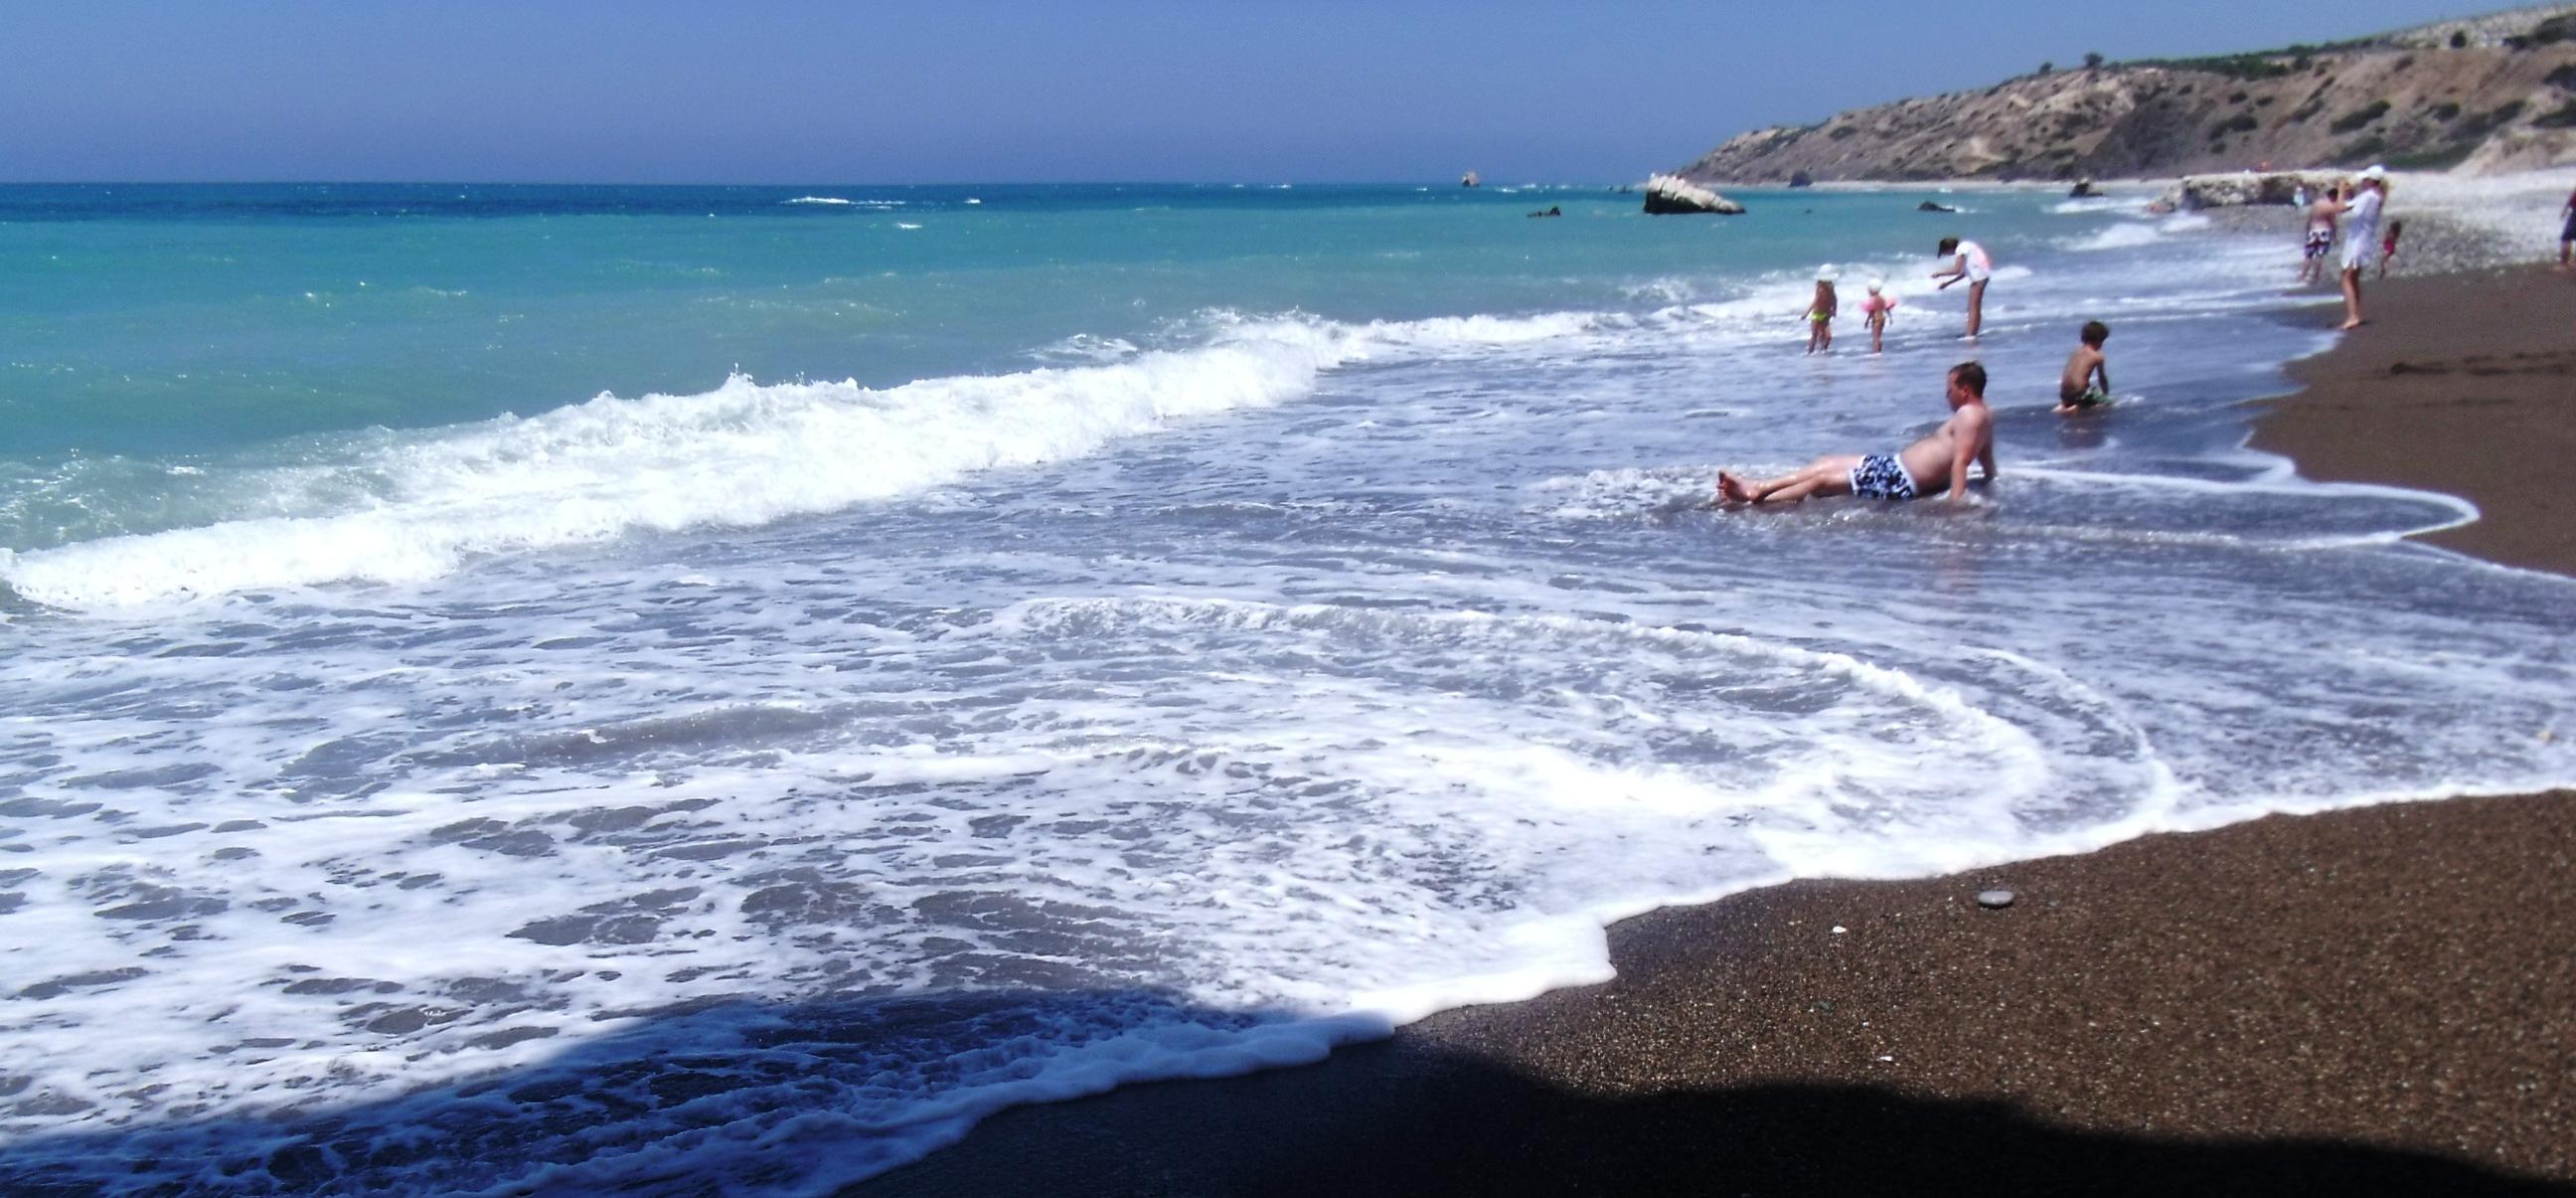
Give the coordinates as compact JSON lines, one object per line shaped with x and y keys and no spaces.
{"x":678,"y":690}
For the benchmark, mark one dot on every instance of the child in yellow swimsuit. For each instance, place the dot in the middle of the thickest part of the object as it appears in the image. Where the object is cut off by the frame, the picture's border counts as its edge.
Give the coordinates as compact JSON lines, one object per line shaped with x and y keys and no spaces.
{"x":1820,"y":314}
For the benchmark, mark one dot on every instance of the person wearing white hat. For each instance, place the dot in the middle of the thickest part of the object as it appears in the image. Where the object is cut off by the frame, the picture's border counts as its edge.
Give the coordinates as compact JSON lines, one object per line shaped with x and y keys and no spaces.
{"x":2361,"y":237}
{"x":1820,"y":314}
{"x":1874,"y":311}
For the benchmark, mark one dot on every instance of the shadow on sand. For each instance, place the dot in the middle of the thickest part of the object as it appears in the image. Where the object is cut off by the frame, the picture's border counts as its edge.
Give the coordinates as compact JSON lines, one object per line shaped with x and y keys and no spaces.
{"x":1400,"y":1119}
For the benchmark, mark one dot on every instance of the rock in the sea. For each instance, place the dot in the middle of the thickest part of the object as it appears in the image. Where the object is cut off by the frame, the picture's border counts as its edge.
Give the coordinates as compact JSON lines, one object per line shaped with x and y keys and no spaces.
{"x":1671,"y":194}
{"x":2082,"y":188}
{"x":1996,"y":898}
{"x":1801,"y":179}
{"x":1929,"y":206}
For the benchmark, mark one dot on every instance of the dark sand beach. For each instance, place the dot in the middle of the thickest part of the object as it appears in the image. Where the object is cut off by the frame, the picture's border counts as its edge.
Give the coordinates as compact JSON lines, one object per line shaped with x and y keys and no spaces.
{"x":2464,"y":383}
{"x":2369,"y":1001}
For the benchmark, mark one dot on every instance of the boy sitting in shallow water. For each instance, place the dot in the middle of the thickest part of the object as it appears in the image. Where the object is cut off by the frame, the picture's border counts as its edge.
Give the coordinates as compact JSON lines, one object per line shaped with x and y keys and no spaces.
{"x":2087,"y":381}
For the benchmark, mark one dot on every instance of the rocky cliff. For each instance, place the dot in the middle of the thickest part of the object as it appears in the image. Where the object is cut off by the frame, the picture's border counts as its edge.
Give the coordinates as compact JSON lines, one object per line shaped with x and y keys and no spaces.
{"x":2487,"y":94}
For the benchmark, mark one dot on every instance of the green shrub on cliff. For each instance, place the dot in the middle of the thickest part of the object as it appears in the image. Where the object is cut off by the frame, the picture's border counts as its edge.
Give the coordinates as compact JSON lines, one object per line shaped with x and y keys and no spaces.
{"x":2359,"y":117}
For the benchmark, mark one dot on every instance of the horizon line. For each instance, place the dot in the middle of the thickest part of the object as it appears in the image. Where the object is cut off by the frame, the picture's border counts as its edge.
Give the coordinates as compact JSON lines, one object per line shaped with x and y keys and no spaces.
{"x":787,"y":183}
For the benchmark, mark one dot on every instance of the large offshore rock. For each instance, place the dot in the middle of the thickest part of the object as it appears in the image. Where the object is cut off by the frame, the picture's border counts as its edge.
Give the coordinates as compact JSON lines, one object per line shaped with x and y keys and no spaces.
{"x":1667,"y":194}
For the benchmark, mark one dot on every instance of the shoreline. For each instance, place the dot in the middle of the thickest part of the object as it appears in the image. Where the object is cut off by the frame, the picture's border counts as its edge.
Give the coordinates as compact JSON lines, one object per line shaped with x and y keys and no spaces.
{"x":2373,"y":999}
{"x":2133,"y":1025}
{"x":2459,"y":383}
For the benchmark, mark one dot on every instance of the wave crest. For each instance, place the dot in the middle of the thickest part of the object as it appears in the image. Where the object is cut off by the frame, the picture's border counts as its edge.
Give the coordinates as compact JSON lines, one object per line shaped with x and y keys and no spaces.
{"x":746,"y":453}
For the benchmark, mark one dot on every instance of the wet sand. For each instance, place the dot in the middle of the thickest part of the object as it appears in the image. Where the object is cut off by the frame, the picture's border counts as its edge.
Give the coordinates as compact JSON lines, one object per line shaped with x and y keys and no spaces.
{"x":2370,"y":1001}
{"x":2464,"y":383}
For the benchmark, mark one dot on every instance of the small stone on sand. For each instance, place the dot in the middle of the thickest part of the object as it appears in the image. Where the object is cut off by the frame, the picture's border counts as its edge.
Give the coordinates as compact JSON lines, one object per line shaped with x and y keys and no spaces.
{"x":1995,"y":898}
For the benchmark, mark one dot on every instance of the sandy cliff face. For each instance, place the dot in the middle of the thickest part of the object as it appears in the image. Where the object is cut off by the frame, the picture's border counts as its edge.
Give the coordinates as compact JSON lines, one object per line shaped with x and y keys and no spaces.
{"x":2499,"y":100}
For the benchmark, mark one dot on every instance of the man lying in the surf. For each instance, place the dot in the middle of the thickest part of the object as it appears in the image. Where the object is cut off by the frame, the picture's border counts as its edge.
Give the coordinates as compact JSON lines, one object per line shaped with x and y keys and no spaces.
{"x":1934,"y":463}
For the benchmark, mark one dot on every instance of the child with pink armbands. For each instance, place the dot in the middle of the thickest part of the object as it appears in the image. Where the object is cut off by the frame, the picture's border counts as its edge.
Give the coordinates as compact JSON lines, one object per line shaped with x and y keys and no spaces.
{"x":1874,"y":310}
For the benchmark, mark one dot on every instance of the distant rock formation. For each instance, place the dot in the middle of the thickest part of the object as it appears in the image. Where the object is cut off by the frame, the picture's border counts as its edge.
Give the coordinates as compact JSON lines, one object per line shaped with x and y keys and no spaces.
{"x":1666,"y":195}
{"x":2243,"y":188}
{"x":2490,"y":93}
{"x":1931,"y":206}
{"x":1470,"y":180}
{"x":1801,"y":179}
{"x":2083,"y":187}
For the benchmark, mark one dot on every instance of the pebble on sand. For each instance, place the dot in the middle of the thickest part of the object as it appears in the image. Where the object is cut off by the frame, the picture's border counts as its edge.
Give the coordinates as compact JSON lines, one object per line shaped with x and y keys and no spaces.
{"x":1995,"y":898}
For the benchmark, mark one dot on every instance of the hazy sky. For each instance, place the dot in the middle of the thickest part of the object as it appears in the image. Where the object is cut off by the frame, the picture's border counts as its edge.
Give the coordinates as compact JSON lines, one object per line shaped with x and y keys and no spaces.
{"x":1004,"y":90}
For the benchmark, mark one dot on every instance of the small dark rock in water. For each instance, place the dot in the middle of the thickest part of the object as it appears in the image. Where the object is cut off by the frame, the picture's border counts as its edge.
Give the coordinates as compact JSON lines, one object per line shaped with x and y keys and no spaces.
{"x":1929,"y":206}
{"x":1995,"y":898}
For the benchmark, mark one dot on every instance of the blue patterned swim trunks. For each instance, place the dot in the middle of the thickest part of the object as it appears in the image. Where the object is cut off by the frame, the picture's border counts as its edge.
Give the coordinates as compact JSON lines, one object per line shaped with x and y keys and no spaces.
{"x":1881,"y":476}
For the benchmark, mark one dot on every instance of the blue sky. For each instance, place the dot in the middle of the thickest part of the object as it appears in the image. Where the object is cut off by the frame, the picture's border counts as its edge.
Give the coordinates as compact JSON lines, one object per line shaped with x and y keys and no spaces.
{"x":999,"y":90}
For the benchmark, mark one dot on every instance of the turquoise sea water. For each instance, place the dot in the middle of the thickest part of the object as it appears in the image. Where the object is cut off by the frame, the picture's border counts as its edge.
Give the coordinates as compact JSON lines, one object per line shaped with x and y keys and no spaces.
{"x":563,"y":688}
{"x":208,"y":319}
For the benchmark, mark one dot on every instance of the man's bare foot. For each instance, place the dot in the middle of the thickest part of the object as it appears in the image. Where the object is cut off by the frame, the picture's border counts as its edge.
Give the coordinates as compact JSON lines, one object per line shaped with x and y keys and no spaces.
{"x":2354,"y":323}
{"x":1731,"y":489}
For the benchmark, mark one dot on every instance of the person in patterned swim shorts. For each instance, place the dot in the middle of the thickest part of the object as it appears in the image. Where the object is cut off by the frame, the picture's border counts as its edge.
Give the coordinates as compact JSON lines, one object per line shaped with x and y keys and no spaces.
{"x":1937,"y":462}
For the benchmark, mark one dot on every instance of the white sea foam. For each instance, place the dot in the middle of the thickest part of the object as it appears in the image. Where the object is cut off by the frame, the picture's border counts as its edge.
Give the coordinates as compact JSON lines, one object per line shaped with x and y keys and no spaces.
{"x":1666,"y":290}
{"x":746,"y":453}
{"x":1301,"y":824}
{"x":1084,"y":347}
{"x":1498,"y":810}
{"x":2118,"y":237}
{"x":873,"y":205}
{"x":2132,"y":234}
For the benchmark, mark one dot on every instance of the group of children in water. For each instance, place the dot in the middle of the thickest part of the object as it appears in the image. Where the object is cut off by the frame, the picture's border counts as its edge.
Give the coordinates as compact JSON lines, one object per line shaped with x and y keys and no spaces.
{"x":1968,"y":263}
{"x":1820,"y":314}
{"x":1940,"y":462}
{"x":2086,"y":382}
{"x":1935,"y":464}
